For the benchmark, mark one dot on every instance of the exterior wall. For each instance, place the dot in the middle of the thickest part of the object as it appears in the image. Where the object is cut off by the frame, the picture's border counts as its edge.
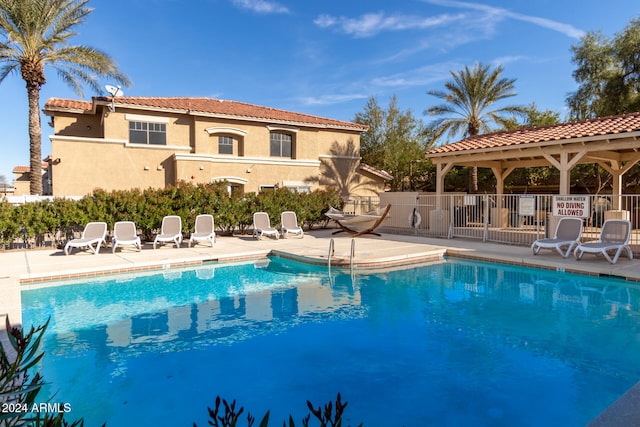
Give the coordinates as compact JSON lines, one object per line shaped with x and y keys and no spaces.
{"x":261,"y":174}
{"x":87,"y":164}
{"x":94,"y":152}
{"x":370,"y":186}
{"x":82,"y":125}
{"x":116,"y":125}
{"x":21,"y":185}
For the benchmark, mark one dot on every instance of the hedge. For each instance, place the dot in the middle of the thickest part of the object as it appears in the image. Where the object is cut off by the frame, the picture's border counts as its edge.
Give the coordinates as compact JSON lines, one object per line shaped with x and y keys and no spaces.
{"x":62,"y":219}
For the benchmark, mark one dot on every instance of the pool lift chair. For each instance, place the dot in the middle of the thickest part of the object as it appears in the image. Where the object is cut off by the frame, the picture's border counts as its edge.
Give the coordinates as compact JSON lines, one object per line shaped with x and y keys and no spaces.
{"x":92,"y":238}
{"x":170,"y":231}
{"x":567,"y":235}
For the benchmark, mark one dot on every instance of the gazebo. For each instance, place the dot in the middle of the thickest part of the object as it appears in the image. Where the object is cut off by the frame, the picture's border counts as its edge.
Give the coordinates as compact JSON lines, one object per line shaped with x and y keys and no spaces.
{"x":611,"y":142}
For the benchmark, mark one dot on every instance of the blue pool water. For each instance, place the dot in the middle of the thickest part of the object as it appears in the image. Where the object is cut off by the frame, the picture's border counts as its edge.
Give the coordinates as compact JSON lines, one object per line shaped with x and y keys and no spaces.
{"x":448,"y":344}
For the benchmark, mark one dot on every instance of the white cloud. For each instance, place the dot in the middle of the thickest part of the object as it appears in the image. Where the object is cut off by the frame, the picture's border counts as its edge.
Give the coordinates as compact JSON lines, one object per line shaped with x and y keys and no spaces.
{"x":499,"y":14}
{"x":331,"y":99}
{"x":261,"y":6}
{"x":370,"y":24}
{"x":503,"y":60}
{"x":565,"y":29}
{"x":418,"y":77}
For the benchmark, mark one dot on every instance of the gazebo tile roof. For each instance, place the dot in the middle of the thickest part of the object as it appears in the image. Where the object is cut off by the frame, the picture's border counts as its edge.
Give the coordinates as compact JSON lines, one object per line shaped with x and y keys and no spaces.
{"x":601,"y":126}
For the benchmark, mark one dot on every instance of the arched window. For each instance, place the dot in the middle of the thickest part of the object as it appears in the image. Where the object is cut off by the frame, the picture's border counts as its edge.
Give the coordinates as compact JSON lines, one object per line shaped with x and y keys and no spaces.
{"x":230,"y":140}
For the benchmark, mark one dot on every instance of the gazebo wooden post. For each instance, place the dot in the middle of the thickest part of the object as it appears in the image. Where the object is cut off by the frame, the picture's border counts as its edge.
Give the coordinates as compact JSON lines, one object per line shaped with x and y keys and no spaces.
{"x":617,"y":171}
{"x":564,"y":165}
{"x":441,"y":171}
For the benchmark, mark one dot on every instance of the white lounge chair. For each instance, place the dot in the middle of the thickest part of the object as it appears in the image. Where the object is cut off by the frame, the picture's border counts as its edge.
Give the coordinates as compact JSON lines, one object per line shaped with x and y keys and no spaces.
{"x":614,"y":236}
{"x":92,"y":237}
{"x":204,"y":230}
{"x":170,"y":231}
{"x":567,"y":234}
{"x":289,"y":224}
{"x":125,"y":233}
{"x":262,"y":226}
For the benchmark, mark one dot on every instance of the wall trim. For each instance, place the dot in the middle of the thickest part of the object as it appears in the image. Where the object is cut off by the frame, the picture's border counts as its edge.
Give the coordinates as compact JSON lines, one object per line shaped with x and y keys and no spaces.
{"x":210,"y":158}
{"x":145,"y":118}
{"x":221,"y":129}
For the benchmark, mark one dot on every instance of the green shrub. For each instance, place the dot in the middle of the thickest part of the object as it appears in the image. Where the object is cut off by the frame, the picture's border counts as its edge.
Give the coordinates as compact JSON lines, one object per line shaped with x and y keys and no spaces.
{"x":64,"y":219}
{"x":18,"y":389}
{"x":9,"y":227}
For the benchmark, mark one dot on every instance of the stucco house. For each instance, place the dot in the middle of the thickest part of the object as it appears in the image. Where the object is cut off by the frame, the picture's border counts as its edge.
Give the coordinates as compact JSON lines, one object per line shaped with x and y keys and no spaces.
{"x":140,"y":142}
{"x":21,"y":180}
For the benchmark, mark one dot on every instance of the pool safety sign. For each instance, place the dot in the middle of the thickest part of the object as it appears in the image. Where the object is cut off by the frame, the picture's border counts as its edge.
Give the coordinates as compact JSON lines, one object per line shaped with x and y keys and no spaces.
{"x":526,"y":205}
{"x":577,"y":206}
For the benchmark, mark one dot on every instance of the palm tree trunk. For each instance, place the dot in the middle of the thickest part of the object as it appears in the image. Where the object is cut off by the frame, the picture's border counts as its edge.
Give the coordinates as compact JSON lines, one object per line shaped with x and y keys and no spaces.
{"x":473,"y":180}
{"x":35,"y":142}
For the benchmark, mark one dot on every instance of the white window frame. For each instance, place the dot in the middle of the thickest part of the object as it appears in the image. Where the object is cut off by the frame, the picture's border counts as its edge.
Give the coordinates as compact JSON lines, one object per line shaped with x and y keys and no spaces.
{"x":150,"y":130}
{"x":223,"y":141}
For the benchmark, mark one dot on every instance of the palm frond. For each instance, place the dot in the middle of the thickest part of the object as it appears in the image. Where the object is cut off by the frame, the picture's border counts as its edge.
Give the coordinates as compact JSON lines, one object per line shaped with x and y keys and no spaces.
{"x":34,"y":35}
{"x":469,"y":98}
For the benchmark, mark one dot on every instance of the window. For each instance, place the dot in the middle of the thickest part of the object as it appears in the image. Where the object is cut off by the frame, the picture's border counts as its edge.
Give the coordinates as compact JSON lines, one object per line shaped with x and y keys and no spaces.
{"x":147,"y":133}
{"x":281,"y":144}
{"x":299,"y":188}
{"x":225,"y":145}
{"x":233,"y":189}
{"x":268,"y":188}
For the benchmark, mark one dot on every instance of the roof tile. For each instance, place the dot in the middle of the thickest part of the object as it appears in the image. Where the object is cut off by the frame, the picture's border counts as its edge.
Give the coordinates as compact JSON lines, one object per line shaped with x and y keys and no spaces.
{"x":26,"y":169}
{"x":611,"y":125}
{"x":208,"y":106}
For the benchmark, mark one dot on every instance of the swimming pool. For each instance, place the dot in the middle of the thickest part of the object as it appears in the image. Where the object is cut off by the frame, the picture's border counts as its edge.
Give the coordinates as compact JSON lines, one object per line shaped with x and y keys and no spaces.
{"x":452,"y":343}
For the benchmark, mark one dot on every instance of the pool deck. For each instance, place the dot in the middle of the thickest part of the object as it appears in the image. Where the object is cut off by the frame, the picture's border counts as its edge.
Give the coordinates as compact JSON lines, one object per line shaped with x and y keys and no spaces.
{"x":21,"y":267}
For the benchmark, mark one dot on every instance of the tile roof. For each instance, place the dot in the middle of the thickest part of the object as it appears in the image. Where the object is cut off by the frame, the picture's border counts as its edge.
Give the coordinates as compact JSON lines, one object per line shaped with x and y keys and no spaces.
{"x":207,"y":106}
{"x":601,"y":126}
{"x":26,"y":169}
{"x":379,"y":172}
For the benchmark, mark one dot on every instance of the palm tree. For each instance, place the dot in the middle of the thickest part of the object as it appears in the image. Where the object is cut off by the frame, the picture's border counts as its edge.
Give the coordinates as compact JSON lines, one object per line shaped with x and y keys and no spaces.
{"x":468,"y":99}
{"x":34,"y":34}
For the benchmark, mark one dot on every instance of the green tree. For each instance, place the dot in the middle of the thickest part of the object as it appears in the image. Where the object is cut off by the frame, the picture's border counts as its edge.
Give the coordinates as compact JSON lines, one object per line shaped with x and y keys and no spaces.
{"x":394,"y":141}
{"x":35,"y":34}
{"x":468,"y":108}
{"x":532,"y":117}
{"x":608,"y":74}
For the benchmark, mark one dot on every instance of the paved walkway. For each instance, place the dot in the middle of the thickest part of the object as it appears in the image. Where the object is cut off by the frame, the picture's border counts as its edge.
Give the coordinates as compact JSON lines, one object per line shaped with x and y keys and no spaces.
{"x":29,"y":266}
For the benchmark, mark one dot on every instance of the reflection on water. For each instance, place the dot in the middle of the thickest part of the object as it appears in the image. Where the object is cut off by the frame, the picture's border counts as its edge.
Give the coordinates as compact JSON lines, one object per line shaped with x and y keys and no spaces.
{"x":174,"y":309}
{"x":446,"y":326}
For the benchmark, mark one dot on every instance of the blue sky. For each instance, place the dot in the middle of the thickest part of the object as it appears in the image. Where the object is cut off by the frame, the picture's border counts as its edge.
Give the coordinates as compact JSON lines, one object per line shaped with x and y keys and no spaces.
{"x":323,"y":57}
